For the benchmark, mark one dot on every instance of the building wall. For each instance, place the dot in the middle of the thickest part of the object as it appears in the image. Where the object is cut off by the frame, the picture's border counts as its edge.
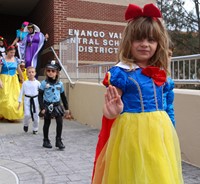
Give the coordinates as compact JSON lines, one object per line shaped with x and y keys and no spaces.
{"x":99,"y":23}
{"x":103,"y":19}
{"x":98,"y":18}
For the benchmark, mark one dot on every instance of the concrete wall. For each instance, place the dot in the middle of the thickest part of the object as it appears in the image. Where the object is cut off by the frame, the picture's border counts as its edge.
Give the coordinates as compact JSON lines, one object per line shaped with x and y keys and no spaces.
{"x":187,"y":111}
{"x":86,"y":102}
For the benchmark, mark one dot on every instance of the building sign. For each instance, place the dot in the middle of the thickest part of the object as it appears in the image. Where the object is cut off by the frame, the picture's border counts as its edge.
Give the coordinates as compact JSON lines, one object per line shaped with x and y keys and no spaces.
{"x":96,"y":41}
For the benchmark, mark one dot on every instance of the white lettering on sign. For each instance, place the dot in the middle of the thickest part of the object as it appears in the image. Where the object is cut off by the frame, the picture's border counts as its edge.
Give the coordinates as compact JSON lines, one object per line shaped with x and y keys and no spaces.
{"x":102,"y":50}
{"x":103,"y":42}
{"x":111,"y":42}
{"x":115,"y":35}
{"x":84,"y":33}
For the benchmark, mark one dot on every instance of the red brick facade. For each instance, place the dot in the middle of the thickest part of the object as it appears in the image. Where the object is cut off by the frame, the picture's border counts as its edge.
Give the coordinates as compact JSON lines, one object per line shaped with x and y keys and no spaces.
{"x":57,"y":18}
{"x":61,"y":18}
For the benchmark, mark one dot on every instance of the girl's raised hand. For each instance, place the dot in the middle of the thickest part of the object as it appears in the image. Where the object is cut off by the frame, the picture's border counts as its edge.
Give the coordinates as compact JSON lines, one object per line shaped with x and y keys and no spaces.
{"x":113,"y":105}
{"x":19,"y":106}
{"x":1,"y":84}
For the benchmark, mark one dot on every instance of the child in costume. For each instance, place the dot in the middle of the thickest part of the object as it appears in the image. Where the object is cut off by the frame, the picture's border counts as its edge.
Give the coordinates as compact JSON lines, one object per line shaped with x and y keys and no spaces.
{"x":3,"y":46}
{"x":30,"y":90}
{"x":20,"y":35}
{"x":143,"y":147}
{"x":24,"y":73}
{"x":50,"y":93}
{"x":168,"y":99}
{"x":9,"y":86}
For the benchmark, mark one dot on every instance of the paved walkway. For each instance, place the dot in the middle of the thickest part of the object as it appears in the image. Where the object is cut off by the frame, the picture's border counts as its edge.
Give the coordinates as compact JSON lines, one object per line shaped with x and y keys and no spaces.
{"x":23,"y":160}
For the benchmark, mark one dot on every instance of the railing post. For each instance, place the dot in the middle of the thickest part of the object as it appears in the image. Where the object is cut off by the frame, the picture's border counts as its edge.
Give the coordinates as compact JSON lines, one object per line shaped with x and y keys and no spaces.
{"x":62,"y":66}
{"x":195,"y":68}
{"x":99,"y":75}
{"x":77,"y":69}
{"x":183,"y":69}
{"x":189,"y":69}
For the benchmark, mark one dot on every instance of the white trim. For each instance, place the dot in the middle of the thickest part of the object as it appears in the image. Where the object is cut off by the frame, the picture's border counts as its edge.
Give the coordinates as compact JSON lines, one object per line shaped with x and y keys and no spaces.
{"x":125,"y":66}
{"x":16,"y":178}
{"x":96,"y":21}
{"x":36,"y":28}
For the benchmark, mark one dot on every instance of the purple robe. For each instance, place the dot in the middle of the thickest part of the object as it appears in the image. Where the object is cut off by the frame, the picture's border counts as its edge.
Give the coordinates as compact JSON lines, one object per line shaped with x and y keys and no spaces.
{"x":30,"y":47}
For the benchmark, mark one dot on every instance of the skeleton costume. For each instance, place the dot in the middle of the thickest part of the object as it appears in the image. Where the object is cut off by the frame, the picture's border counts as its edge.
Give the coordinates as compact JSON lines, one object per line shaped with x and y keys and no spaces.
{"x":50,"y":93}
{"x":31,"y":106}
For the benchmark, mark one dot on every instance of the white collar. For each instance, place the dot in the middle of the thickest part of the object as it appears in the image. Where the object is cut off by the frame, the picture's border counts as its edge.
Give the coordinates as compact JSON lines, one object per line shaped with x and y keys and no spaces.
{"x":125,"y":66}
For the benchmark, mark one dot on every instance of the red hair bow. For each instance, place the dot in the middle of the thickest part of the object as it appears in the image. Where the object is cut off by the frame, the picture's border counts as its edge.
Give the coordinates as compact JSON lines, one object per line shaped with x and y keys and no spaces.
{"x":150,"y":10}
{"x":159,"y":76}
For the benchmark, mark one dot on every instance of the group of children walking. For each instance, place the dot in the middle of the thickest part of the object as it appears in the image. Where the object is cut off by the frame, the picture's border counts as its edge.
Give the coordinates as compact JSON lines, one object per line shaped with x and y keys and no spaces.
{"x":34,"y":97}
{"x":45,"y":96}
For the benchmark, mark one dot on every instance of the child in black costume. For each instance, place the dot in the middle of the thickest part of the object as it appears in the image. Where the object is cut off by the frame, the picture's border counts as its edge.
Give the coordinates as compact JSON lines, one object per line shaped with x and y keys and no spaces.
{"x":50,"y":92}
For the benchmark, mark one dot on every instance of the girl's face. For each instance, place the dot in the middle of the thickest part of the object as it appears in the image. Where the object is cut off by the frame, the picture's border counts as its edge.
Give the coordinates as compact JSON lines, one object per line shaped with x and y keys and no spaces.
{"x":11,"y":53}
{"x":1,"y":43}
{"x":51,"y":73}
{"x":142,"y":50}
{"x":22,"y":66}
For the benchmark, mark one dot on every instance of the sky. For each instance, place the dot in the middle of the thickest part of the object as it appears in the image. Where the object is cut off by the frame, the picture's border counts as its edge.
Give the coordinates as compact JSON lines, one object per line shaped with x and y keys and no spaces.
{"x":189,"y":5}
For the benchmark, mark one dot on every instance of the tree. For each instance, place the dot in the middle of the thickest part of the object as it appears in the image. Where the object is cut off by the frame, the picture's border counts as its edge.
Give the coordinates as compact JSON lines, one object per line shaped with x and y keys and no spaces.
{"x":183,"y":25}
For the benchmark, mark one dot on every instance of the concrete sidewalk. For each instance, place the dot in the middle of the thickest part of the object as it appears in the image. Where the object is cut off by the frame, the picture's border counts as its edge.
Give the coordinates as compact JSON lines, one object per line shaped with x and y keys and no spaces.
{"x":23,"y":160}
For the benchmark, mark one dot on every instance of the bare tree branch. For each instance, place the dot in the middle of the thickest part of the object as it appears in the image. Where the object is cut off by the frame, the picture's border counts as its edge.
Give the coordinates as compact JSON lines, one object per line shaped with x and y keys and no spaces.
{"x":183,"y":24}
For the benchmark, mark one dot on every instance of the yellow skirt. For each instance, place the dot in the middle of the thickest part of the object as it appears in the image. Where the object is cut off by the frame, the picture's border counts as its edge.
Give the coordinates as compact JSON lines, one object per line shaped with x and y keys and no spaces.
{"x":143,"y":148}
{"x":9,"y":95}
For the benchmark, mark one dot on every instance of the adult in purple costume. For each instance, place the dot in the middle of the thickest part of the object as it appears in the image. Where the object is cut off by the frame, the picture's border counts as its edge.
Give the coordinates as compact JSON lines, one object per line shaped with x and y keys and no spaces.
{"x":31,"y":45}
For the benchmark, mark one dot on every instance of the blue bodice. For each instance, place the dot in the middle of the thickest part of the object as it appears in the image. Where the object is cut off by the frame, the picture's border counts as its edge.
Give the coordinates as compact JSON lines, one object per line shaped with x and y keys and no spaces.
{"x":140,"y":94}
{"x":21,"y":34}
{"x":9,"y":68}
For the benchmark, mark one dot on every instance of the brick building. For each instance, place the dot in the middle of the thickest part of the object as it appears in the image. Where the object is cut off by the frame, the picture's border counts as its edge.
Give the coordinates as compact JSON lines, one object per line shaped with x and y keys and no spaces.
{"x":98,"y":22}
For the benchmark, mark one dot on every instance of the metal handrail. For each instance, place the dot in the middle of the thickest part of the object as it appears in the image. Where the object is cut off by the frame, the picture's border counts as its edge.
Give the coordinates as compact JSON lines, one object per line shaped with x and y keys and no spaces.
{"x":186,"y":69}
{"x":186,"y":57}
{"x":65,"y":72}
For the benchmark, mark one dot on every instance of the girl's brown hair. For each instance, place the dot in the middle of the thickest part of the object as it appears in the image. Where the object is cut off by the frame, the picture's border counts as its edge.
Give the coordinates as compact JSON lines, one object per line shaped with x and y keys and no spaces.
{"x":141,"y":28}
{"x":9,"y":48}
{"x":29,"y":68}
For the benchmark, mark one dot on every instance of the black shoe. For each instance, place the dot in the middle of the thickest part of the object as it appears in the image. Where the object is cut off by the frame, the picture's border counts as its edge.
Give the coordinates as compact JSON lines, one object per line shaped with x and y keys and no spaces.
{"x":35,"y":132}
{"x":47,"y":143}
{"x":25,"y":129}
{"x":59,"y":143}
